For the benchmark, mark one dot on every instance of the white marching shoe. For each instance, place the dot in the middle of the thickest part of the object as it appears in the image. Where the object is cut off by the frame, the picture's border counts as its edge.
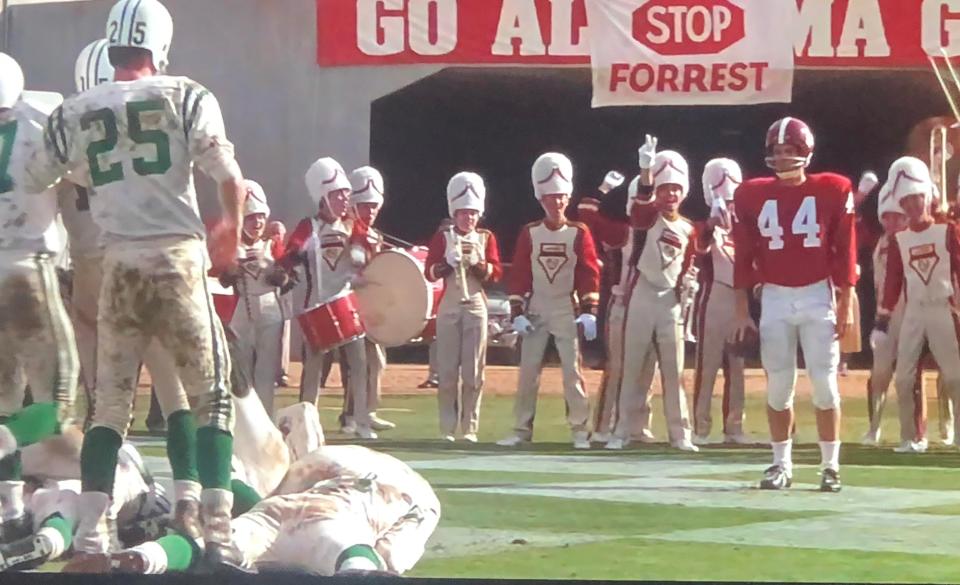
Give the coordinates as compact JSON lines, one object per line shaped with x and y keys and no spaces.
{"x":686,"y":445}
{"x":870,"y":439}
{"x":739,"y":439}
{"x":511,"y":441}
{"x":581,"y":440}
{"x":470,"y":437}
{"x":615,"y":444}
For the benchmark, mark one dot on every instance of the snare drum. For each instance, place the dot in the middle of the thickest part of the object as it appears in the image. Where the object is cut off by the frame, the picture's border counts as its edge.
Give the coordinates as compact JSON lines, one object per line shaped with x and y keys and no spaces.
{"x":332,"y":324}
{"x":429,"y":332}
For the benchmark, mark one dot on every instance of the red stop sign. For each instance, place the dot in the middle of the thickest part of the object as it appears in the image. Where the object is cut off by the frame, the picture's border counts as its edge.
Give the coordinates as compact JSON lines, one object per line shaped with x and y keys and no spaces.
{"x":688,"y":27}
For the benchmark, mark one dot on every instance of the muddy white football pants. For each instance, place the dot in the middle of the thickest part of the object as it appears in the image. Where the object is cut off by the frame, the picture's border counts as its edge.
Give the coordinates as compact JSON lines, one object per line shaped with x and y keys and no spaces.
{"x":87,"y":278}
{"x":157,"y":289}
{"x":36,"y":338}
{"x":532,"y":350}
{"x":258,"y":326}
{"x":461,"y":357}
{"x":715,"y":322}
{"x":605,"y":416}
{"x":354,"y":354}
{"x":804,"y":315}
{"x":937,"y":324}
{"x":654,"y":322}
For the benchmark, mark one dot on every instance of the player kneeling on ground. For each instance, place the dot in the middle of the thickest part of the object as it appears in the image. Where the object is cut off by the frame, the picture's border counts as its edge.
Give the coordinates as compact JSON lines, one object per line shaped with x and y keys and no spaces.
{"x":931,"y":251}
{"x":796,"y":233}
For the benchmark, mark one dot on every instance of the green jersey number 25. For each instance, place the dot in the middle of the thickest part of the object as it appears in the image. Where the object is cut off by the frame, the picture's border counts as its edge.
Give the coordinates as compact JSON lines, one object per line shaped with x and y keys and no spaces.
{"x":106,"y":118}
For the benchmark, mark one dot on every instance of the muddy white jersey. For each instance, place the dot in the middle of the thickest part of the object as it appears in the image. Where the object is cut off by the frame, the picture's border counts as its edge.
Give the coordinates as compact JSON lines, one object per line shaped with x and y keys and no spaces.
{"x":722,"y":256}
{"x":926,"y":263}
{"x":135,"y":143}
{"x":26,"y":212}
{"x":662,"y":257}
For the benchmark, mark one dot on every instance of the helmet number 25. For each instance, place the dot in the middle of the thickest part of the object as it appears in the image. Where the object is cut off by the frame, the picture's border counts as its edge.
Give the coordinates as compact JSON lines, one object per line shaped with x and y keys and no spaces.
{"x":108,"y":122}
{"x":804,"y":224}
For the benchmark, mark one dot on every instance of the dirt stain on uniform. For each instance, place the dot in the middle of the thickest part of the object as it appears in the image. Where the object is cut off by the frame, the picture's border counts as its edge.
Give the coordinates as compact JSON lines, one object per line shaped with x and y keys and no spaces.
{"x":20,"y":307}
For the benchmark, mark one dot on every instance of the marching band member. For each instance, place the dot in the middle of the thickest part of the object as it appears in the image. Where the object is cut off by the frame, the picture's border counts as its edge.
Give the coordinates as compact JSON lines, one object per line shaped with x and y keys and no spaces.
{"x":321,"y":245}
{"x":554,"y":262}
{"x":465,"y":257}
{"x":258,"y":319}
{"x":366,"y":199}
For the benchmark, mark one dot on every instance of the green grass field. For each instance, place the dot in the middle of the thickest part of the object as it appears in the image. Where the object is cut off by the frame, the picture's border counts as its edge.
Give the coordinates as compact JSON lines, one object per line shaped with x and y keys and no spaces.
{"x":653,"y":513}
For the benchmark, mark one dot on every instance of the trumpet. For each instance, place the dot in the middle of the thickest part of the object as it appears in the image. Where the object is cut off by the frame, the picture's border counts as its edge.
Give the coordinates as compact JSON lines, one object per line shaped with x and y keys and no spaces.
{"x":939,"y":143}
{"x":688,"y":296}
{"x":461,"y":268}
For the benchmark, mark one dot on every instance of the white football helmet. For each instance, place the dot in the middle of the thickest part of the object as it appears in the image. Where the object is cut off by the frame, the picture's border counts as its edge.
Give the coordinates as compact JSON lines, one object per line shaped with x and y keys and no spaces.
{"x":145,"y":24}
{"x":11,"y":81}
{"x":366,"y":184}
{"x":256,"y":200}
{"x":466,"y":191}
{"x":909,"y":176}
{"x":552,"y":174}
{"x":671,"y":168}
{"x":93,"y":66}
{"x":324,"y":177}
{"x":721,"y":177}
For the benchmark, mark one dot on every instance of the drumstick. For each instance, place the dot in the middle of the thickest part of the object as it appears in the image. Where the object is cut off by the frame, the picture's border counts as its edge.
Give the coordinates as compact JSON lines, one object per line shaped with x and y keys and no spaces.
{"x":461,"y":269}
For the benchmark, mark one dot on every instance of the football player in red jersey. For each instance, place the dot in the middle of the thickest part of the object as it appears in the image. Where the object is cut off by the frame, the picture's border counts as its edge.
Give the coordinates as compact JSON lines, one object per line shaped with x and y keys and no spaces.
{"x":797,"y":231}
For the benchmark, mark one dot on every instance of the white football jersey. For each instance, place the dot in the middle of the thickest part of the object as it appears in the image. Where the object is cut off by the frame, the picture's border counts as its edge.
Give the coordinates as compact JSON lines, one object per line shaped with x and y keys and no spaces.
{"x":135,"y":144}
{"x":82,"y":232}
{"x":26,"y":215}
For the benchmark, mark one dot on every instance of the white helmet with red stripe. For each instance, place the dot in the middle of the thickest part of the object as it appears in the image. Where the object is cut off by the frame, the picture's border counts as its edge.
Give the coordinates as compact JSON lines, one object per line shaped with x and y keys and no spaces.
{"x":256,"y":200}
{"x":325,"y":177}
{"x":552,"y":174}
{"x":909,"y":176}
{"x":670,"y":168}
{"x":366,"y":185}
{"x":466,"y":191}
{"x":886,"y":202}
{"x":721,"y":177}
{"x":793,"y":132}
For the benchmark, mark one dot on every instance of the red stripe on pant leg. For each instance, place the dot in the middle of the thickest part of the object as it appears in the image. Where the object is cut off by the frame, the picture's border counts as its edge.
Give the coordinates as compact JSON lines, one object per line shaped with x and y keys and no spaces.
{"x":870,"y":401}
{"x":919,"y":406}
{"x":726,"y":391}
{"x":703,"y":297}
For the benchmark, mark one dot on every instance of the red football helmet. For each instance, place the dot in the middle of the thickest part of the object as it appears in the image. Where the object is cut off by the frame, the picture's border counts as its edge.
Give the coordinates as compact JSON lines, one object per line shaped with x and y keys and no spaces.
{"x":796,"y":133}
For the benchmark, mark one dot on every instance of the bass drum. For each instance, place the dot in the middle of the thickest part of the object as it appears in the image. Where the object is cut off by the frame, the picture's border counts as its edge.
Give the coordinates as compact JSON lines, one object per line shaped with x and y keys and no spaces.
{"x":429,"y":332}
{"x":393,"y":299}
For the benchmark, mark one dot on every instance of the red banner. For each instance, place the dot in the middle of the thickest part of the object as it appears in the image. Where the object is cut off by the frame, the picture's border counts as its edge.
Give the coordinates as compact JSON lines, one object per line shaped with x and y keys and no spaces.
{"x":829,"y":33}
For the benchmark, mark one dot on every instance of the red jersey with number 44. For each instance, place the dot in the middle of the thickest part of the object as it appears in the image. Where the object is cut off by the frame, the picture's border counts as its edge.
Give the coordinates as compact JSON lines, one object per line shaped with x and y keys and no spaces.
{"x":795,"y":235}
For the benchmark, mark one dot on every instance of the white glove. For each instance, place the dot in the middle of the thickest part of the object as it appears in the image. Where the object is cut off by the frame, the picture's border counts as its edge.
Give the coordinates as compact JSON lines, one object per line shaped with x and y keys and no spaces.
{"x":589,"y":323}
{"x":454,"y":256}
{"x":868,"y":181}
{"x":877,"y":338}
{"x":720,"y":211}
{"x":473,"y":258}
{"x":648,"y":152}
{"x":611,"y":181}
{"x":358,"y":257}
{"x":522,"y":325}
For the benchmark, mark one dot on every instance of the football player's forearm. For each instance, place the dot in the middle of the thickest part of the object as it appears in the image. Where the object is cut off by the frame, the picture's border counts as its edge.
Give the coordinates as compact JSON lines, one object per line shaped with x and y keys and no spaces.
{"x":232,"y":194}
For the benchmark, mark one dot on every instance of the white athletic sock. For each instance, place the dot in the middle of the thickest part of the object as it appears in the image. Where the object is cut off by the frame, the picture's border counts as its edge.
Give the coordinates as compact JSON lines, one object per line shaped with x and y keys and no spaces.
{"x":55,"y":539}
{"x":11,"y":500}
{"x":154,"y":556}
{"x":783,"y":455}
{"x":830,"y":455}
{"x":360,"y":563}
{"x":185,"y":489}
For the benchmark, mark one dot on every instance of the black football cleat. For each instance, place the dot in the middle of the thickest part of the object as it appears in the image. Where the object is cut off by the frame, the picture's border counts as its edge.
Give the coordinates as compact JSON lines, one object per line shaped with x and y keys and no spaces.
{"x":830,"y":481}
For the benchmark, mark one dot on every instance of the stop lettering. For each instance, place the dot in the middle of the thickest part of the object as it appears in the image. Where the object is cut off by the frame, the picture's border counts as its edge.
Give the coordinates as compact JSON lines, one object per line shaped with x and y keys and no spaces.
{"x":688,"y":27}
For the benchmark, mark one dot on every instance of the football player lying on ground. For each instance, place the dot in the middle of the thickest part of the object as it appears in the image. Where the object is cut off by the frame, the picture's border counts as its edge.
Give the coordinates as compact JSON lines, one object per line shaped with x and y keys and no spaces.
{"x":140,"y":507}
{"x":339,"y":509}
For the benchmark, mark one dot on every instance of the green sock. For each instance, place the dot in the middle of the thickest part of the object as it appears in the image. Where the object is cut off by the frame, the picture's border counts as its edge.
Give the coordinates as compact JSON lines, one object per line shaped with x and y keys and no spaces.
{"x":182,"y":552}
{"x":244,"y":497}
{"x":34,"y":423}
{"x":98,"y":459}
{"x":214,"y":454}
{"x":182,"y":445}
{"x":63,"y":526}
